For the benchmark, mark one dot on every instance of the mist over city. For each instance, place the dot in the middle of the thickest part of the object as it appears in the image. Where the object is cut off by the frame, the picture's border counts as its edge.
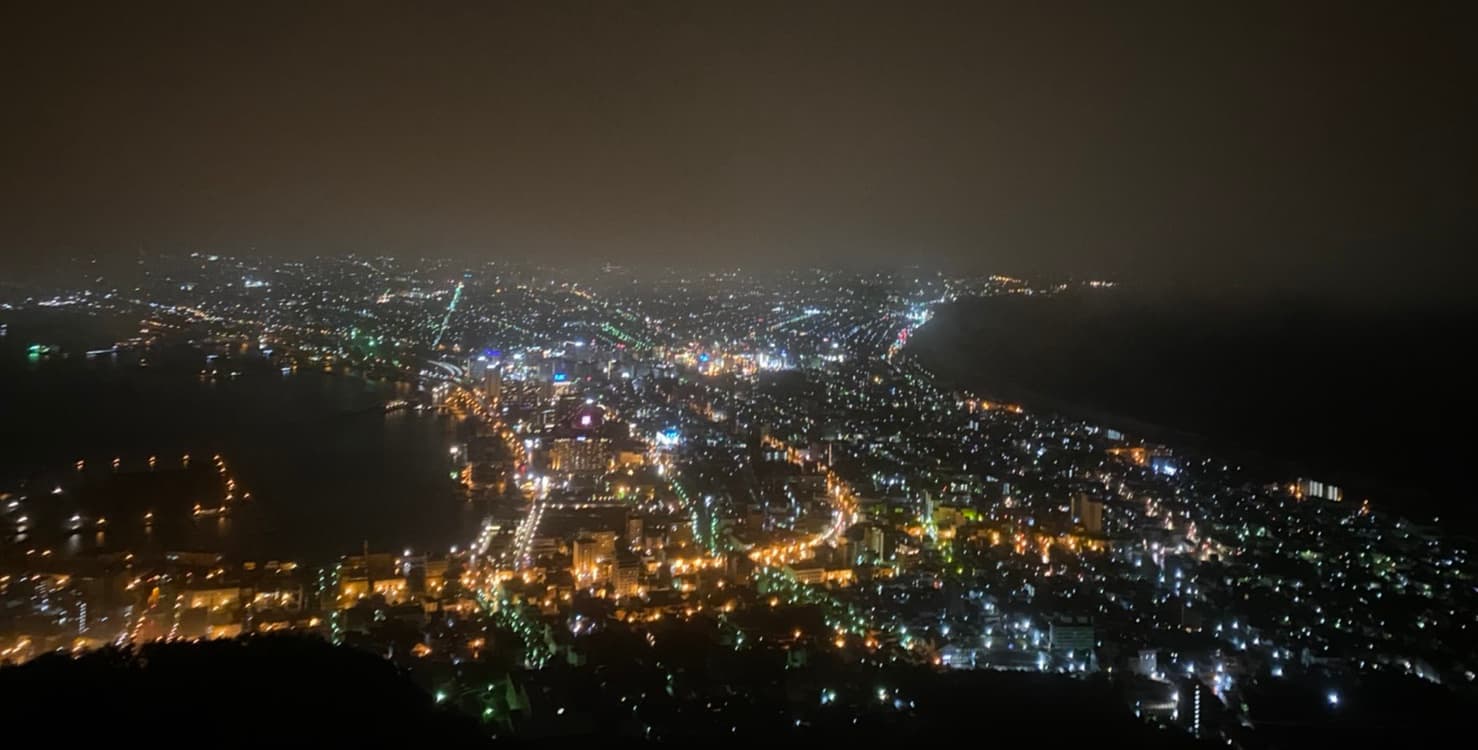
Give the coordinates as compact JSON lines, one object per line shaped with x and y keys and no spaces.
{"x":867,"y":372}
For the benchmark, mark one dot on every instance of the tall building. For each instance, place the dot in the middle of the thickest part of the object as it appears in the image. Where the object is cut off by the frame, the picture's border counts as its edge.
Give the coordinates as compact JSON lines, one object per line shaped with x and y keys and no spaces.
{"x":605,"y":542}
{"x":633,"y":531}
{"x":1310,"y":489}
{"x":875,"y":541}
{"x":1088,"y":513}
{"x":493,"y":383}
{"x":628,"y":576}
{"x":594,"y":553}
{"x":579,"y":455}
{"x":587,"y":559}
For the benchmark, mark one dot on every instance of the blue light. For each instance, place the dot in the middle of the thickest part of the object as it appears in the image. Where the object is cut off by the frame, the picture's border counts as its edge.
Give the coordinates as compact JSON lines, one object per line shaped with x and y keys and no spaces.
{"x":560,"y":377}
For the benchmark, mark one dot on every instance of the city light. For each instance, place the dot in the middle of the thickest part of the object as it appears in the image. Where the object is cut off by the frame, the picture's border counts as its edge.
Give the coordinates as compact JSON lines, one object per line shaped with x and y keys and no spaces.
{"x":754,"y":469}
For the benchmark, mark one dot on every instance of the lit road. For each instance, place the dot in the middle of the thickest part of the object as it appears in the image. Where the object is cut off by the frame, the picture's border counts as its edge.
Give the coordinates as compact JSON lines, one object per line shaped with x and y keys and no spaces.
{"x":484,"y":575}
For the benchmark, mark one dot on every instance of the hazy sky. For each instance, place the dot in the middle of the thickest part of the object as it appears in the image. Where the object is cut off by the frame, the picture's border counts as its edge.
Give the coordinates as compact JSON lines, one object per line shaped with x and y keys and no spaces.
{"x":1324,"y":143}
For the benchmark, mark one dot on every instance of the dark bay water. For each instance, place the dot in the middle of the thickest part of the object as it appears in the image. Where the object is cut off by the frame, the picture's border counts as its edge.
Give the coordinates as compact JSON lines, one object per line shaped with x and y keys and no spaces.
{"x":327,"y":468}
{"x":1373,"y":396}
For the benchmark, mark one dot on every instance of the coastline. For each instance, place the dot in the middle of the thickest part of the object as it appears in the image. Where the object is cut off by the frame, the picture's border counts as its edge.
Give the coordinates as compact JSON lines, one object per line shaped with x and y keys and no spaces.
{"x":1188,"y":386}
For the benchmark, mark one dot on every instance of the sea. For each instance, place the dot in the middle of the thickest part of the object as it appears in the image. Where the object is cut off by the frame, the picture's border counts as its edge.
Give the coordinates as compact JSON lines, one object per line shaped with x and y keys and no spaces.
{"x":329,"y":470}
{"x":1375,"y":396}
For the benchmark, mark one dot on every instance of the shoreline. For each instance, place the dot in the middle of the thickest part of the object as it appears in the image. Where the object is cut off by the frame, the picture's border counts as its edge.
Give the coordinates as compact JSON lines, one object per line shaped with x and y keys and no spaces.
{"x":960,"y":352}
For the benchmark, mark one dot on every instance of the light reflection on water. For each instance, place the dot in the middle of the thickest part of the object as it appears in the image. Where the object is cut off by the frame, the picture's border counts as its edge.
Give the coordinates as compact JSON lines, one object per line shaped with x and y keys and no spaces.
{"x":328,"y":470}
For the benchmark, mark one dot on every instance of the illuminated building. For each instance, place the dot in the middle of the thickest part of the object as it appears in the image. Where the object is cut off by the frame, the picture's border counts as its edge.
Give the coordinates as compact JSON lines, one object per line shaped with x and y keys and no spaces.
{"x":588,"y":418}
{"x":1164,"y":463}
{"x":1088,"y":513}
{"x":581,"y":454}
{"x":593,"y":553}
{"x":395,"y":590}
{"x":1311,"y":489}
{"x":606,"y":544}
{"x":287,"y":597}
{"x":214,"y":599}
{"x":875,"y":542}
{"x":633,"y":530}
{"x":493,"y":383}
{"x":809,"y":574}
{"x":628,"y":577}
{"x":1148,"y":663}
{"x":1072,"y":635}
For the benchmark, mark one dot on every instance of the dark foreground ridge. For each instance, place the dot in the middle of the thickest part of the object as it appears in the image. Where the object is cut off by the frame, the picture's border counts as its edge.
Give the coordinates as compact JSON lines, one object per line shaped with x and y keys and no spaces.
{"x":289,"y":689}
{"x":260,"y":691}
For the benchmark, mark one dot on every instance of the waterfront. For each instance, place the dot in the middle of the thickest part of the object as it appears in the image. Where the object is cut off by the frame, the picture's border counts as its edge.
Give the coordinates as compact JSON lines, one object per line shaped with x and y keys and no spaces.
{"x":327,"y":467}
{"x":1294,"y":385}
{"x":756,"y":466}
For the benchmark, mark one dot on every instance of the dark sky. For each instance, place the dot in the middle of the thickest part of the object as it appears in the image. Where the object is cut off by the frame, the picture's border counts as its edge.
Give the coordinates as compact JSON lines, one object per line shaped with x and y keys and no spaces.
{"x":1307,"y":143}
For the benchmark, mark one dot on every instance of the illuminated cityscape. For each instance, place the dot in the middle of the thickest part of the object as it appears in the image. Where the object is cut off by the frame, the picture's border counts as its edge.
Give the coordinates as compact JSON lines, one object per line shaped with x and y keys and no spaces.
{"x":754,"y":461}
{"x":837,"y":373}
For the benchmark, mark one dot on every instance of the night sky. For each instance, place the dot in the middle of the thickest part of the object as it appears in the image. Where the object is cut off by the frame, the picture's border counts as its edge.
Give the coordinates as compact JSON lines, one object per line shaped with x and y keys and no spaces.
{"x":1325,"y":146}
